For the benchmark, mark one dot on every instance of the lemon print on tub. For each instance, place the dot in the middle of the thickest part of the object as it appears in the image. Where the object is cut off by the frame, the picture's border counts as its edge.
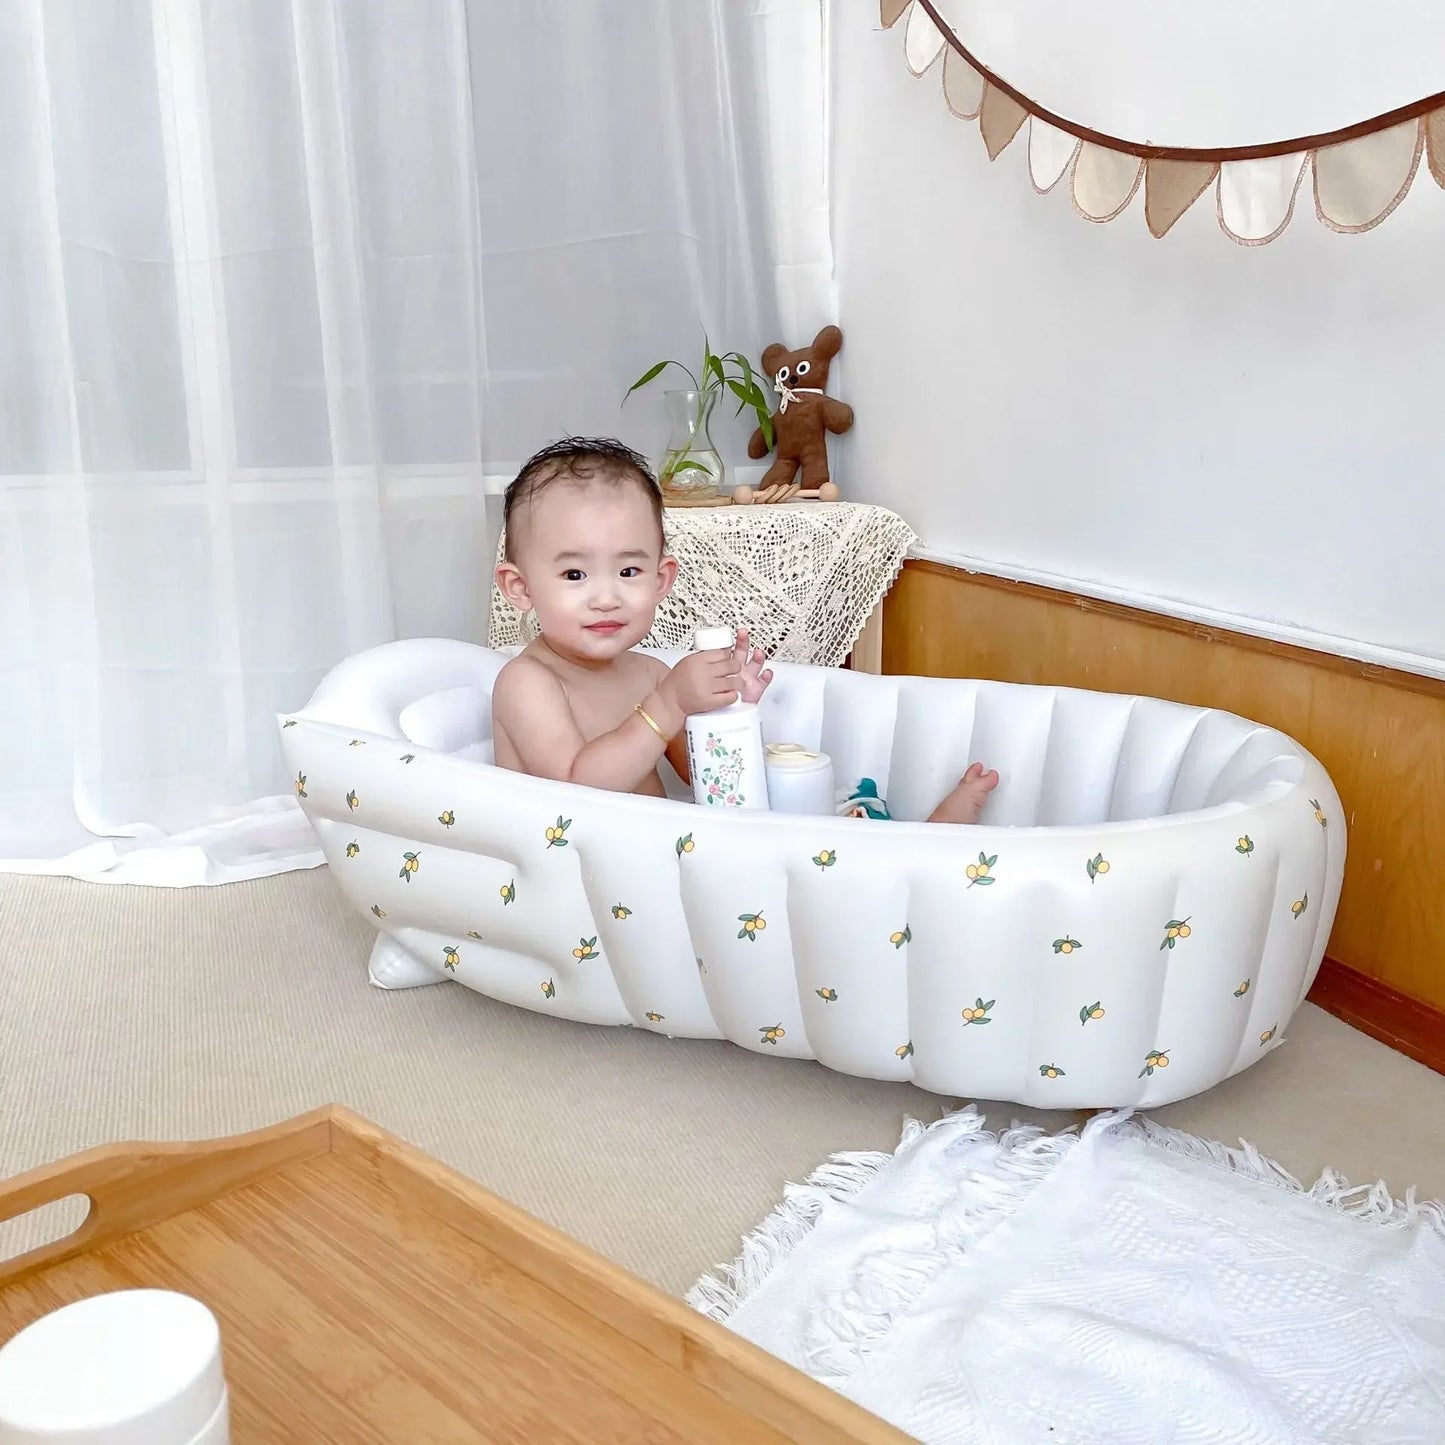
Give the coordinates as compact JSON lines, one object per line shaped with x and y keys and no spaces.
{"x":828,"y":995}
{"x":1154,"y":1059}
{"x":1320,"y":818}
{"x":1091,"y":1012}
{"x":685,"y":844}
{"x":904,"y":1051}
{"x":904,"y":935}
{"x":825,"y":858}
{"x":557,"y":833}
{"x":978,"y":1014}
{"x":300,"y":785}
{"x":353,"y":848}
{"x":352,"y":801}
{"x":653,"y":1017}
{"x":752,"y":925}
{"x":1067,"y":945}
{"x":772,"y":1033}
{"x":508,"y":892}
{"x":1244,"y":845}
{"x":549,"y":989}
{"x":1299,"y":905}
{"x":619,"y":912}
{"x":978,"y":872}
{"x":1096,"y":867}
{"x":410,"y":862}
{"x":446,"y":819}
{"x":1050,"y":1071}
{"x":586,"y":950}
{"x":450,"y":957}
{"x":1174,"y":930}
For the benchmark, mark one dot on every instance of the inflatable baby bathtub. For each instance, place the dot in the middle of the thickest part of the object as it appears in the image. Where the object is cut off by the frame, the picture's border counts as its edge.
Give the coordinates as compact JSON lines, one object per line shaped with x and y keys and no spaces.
{"x":1140,"y":912}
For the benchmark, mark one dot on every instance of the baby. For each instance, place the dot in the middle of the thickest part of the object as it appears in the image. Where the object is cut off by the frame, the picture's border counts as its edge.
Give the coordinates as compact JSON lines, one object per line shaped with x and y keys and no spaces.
{"x":585,"y":552}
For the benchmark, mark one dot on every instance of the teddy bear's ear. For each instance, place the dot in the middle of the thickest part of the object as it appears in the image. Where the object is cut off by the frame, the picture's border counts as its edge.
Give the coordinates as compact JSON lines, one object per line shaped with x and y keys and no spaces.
{"x":828,"y":343}
{"x":773,"y":359}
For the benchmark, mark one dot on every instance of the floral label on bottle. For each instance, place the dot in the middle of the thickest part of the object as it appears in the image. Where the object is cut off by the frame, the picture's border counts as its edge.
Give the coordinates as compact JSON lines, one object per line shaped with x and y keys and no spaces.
{"x":721,"y":773}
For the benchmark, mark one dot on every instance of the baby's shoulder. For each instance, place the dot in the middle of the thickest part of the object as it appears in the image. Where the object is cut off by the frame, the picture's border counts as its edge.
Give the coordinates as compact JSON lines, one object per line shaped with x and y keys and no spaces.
{"x":649,"y":665}
{"x":524,"y":677}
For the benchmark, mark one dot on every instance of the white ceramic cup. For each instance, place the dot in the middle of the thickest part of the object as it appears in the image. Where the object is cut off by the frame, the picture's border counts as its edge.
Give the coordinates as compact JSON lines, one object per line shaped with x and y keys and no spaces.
{"x":134,"y":1367}
{"x":799,"y":780}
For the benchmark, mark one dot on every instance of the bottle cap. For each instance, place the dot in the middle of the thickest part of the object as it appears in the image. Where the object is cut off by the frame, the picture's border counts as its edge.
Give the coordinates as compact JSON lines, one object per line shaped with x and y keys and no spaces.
{"x":709,"y":638}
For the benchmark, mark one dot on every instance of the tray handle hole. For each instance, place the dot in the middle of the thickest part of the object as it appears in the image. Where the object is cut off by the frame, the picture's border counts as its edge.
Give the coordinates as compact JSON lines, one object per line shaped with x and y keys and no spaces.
{"x":42,"y":1225}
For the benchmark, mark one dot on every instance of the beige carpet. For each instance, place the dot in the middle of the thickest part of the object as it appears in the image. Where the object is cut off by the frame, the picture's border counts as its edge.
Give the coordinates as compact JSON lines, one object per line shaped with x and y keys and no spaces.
{"x":149,"y":1013}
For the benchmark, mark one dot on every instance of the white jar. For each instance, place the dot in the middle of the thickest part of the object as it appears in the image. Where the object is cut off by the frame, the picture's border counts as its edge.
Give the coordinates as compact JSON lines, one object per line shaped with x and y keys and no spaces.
{"x":133,"y":1367}
{"x":799,"y":780}
{"x":725,"y":747}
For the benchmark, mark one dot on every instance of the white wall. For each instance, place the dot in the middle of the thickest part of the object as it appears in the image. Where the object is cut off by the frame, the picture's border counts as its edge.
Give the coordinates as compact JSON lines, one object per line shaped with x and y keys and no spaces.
{"x":1190,"y":425}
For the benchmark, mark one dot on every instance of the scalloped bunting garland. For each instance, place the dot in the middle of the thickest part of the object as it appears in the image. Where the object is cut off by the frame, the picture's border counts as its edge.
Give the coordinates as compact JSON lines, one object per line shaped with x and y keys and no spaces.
{"x":1357,"y":182}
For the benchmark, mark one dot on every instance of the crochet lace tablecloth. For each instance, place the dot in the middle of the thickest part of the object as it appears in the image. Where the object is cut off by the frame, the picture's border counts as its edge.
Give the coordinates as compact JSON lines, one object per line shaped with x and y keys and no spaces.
{"x":803,"y":578}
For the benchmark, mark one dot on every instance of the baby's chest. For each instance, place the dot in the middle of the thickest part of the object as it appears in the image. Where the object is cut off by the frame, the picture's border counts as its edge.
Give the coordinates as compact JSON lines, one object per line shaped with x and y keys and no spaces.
{"x":607,"y":703}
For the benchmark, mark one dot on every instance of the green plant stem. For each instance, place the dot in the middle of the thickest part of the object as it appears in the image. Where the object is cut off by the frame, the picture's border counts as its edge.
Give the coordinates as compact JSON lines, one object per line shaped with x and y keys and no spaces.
{"x":743,"y":382}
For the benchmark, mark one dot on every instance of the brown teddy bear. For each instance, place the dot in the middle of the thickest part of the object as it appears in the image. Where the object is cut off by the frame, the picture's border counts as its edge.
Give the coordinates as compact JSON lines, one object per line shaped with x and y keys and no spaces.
{"x":802,"y":421}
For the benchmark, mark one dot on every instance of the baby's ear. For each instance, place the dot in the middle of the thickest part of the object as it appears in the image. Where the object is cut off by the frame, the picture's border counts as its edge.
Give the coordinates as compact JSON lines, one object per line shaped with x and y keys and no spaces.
{"x":666,"y":575}
{"x":773,"y":359}
{"x":513,"y":586}
{"x":828,"y":343}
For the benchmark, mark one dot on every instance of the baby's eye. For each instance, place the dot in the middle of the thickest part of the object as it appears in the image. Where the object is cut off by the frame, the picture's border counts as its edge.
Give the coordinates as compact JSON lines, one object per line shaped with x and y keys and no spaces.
{"x":631,"y":572}
{"x":575,"y":574}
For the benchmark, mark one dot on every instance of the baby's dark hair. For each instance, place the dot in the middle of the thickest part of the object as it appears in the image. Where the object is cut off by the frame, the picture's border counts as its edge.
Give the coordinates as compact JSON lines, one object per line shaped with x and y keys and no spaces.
{"x":579,"y":459}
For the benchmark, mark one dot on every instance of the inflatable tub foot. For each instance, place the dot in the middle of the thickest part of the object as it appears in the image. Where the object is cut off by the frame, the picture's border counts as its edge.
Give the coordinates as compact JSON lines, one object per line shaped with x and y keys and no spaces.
{"x":392,"y":967}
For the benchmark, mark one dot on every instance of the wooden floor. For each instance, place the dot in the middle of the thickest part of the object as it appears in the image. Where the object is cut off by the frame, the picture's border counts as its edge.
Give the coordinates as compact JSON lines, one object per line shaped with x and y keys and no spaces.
{"x":1381,"y":734}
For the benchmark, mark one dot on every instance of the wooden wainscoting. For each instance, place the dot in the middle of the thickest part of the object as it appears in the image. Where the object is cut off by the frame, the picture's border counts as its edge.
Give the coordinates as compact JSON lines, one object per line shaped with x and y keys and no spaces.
{"x":1380,"y":733}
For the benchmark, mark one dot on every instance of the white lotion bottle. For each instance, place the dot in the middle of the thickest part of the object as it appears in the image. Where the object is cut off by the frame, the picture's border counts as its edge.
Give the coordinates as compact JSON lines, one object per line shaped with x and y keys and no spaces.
{"x":725,"y":747}
{"x":799,"y":780}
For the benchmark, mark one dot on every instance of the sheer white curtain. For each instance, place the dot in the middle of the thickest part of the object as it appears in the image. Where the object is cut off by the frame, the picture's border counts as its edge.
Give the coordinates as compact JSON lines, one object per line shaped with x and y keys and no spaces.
{"x":288,"y":287}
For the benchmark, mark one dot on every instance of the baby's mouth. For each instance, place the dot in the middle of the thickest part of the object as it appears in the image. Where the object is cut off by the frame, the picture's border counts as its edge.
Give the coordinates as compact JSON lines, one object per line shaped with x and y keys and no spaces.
{"x":604,"y":627}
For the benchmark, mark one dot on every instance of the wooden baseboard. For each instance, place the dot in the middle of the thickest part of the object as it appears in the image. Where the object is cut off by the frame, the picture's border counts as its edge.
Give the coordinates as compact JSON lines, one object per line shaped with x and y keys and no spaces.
{"x":1407,"y":1025}
{"x":1379,"y":733}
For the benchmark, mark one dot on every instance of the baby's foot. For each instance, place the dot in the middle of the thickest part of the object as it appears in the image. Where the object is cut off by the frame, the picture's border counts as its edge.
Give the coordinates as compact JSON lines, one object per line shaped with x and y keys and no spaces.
{"x":965,"y":802}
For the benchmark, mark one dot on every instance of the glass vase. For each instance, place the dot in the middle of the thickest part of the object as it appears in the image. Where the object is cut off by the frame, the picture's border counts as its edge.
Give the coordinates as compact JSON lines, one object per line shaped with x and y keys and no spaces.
{"x":690,"y":468}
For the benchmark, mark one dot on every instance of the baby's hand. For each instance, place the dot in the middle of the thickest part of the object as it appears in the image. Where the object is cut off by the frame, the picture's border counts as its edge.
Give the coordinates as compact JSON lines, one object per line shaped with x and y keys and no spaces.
{"x":701,"y":682}
{"x":753,"y":677}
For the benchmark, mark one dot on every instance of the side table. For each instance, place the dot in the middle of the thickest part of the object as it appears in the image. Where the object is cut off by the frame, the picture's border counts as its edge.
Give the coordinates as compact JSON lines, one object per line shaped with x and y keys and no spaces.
{"x":807,"y":579}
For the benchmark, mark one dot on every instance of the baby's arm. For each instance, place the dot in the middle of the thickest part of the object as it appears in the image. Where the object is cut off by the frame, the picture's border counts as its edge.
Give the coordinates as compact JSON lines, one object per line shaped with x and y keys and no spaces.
{"x":529,"y":704}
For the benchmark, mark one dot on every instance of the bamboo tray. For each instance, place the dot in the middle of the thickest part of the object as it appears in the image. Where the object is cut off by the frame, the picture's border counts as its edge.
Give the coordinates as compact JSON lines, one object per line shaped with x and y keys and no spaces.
{"x":367,"y":1293}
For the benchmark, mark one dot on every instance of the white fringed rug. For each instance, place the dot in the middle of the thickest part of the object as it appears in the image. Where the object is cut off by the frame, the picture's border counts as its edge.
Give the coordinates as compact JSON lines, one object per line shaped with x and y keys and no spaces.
{"x":1127,"y":1285}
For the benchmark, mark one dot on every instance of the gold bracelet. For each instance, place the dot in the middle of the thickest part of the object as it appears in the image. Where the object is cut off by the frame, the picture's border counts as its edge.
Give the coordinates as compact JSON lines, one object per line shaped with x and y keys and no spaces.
{"x":647,"y":718}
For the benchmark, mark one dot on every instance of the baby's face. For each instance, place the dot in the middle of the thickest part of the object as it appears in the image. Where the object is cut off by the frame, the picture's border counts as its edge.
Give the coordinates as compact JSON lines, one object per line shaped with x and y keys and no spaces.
{"x":591,"y":565}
